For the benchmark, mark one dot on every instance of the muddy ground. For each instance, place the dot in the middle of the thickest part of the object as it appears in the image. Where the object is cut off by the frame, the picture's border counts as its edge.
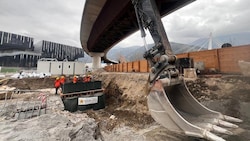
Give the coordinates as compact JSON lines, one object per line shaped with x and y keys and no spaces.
{"x":126,"y":115}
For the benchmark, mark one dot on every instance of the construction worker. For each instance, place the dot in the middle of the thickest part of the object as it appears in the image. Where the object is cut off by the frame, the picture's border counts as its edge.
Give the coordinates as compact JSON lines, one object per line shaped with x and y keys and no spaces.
{"x":87,"y":78}
{"x":62,"y":80}
{"x":57,"y":84}
{"x":75,"y":79}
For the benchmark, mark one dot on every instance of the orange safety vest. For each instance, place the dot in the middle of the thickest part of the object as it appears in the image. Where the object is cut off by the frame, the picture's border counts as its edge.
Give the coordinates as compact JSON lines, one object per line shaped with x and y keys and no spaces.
{"x":57,"y":83}
{"x":86,"y":79}
{"x":62,"y":80}
{"x":74,"y":80}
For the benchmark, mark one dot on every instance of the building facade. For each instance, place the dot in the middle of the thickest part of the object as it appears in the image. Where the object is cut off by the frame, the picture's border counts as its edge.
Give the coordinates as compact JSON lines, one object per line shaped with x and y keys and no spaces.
{"x":17,"y":50}
{"x":20,"y":51}
{"x":10,"y":41}
{"x":59,"y":51}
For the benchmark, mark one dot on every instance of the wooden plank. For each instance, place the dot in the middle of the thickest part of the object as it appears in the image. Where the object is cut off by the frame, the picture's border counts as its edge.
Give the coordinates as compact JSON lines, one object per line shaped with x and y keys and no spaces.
{"x":124,"y":67}
{"x":136,"y":66}
{"x":143,"y":66}
{"x":130,"y":66}
{"x":117,"y":67}
{"x":120,"y":67}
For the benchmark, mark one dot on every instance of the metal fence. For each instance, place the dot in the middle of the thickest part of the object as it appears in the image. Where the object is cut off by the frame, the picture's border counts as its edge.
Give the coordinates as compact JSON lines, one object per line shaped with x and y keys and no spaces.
{"x":15,"y":108}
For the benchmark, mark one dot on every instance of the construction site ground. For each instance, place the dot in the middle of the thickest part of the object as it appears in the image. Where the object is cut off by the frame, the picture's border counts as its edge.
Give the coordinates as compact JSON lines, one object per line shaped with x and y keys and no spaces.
{"x":126,"y":115}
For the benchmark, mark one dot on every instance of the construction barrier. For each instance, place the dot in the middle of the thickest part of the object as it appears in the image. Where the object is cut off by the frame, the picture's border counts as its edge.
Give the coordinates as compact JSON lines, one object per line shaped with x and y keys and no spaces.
{"x":224,"y":60}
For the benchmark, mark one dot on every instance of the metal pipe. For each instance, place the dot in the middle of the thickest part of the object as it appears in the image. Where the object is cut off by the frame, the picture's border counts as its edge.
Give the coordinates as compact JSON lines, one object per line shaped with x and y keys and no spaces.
{"x":82,"y":92}
{"x":39,"y":109}
{"x":20,"y":110}
{"x":33,"y":109}
{"x":27,"y":108}
{"x":45,"y":108}
{"x":5,"y":99}
{"x":18,"y":90}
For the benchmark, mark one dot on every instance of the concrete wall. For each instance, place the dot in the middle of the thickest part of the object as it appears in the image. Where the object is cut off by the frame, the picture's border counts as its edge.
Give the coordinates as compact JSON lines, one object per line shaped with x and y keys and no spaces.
{"x":68,"y":68}
{"x":61,"y":67}
{"x":79,"y":68}
{"x":56,"y":68}
{"x":43,"y":66}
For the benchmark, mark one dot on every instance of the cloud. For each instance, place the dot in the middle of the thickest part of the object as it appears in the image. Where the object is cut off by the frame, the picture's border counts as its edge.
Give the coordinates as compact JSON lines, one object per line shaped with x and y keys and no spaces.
{"x":200,"y":18}
{"x":53,"y":20}
{"x":59,"y":20}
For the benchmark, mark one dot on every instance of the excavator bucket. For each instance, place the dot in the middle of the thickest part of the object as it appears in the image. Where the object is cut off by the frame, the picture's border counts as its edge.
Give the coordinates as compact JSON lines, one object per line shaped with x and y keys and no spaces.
{"x":169,"y":101}
{"x":176,"y":109}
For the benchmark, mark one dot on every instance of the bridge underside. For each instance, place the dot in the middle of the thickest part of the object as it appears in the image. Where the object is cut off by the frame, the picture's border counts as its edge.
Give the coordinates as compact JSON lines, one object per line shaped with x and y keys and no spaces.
{"x":106,"y":22}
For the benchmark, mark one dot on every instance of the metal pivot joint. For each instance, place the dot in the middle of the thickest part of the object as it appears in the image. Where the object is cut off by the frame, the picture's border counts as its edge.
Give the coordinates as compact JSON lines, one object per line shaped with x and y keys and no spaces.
{"x":160,"y":56}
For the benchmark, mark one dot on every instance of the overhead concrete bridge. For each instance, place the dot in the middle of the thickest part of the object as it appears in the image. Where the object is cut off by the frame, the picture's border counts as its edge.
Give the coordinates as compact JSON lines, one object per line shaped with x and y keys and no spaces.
{"x":107,"y":22}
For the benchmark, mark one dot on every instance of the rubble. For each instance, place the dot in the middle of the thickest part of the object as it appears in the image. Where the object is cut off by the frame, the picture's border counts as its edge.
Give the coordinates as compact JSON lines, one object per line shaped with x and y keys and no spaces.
{"x":30,"y":75}
{"x":54,"y":126}
{"x":126,"y":116}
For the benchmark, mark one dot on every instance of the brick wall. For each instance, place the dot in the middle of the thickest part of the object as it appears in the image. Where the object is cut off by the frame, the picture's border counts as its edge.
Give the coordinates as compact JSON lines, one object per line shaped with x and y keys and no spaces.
{"x":224,"y":60}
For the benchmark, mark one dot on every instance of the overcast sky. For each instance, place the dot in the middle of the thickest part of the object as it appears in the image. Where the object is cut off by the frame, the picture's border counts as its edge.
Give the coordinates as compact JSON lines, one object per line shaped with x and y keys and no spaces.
{"x":59,"y":20}
{"x":52,"y":20}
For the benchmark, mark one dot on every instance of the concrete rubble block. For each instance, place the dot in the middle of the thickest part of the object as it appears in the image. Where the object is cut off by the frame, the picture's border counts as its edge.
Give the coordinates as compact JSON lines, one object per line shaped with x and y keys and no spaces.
{"x":190,"y":73}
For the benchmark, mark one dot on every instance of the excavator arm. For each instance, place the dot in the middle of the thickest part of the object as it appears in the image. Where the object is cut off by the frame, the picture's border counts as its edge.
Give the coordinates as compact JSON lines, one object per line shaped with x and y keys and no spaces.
{"x":169,"y":100}
{"x":160,"y":57}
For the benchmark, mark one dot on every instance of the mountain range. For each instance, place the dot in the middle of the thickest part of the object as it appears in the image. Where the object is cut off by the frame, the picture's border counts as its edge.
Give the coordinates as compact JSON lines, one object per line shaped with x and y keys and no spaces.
{"x":136,"y":52}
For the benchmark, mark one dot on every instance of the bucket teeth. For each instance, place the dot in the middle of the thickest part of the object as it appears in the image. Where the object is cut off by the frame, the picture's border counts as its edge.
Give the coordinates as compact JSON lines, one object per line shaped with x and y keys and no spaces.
{"x":210,"y":136}
{"x":214,"y":128}
{"x":232,"y":119}
{"x":221,"y":130}
{"x":218,"y":121}
{"x":176,"y":109}
{"x":227,"y":124}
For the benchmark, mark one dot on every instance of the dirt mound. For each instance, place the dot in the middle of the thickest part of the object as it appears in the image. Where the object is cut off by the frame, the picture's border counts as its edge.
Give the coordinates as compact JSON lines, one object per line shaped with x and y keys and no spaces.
{"x":126,"y":100}
{"x":31,"y":83}
{"x":225,"y":87}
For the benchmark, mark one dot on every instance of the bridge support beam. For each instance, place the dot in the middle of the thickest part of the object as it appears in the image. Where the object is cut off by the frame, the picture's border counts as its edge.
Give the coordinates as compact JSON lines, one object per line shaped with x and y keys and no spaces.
{"x":96,"y":59}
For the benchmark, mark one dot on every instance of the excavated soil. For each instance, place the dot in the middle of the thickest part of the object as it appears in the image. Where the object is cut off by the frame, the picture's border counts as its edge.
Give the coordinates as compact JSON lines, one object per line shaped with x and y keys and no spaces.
{"x":126,"y":100}
{"x":126,"y":114}
{"x":235,"y":87}
{"x":30,"y":83}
